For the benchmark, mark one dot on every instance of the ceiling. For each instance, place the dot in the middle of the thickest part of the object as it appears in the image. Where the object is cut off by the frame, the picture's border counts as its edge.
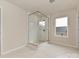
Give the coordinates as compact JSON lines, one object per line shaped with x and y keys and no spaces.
{"x":44,"y":5}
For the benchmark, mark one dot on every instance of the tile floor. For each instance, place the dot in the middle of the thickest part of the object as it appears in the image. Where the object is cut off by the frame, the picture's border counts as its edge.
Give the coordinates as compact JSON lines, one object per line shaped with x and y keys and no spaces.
{"x":44,"y":50}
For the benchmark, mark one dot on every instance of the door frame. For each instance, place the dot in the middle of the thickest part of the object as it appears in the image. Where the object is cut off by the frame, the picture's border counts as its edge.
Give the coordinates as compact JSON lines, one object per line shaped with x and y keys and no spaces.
{"x":1,"y":41}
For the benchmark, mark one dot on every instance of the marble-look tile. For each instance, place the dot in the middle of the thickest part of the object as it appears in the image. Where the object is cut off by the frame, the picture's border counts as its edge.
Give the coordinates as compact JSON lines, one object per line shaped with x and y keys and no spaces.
{"x":44,"y":50}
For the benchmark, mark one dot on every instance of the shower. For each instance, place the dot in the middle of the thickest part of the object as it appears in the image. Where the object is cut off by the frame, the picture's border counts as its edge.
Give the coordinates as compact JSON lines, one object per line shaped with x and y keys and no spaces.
{"x":38,"y":28}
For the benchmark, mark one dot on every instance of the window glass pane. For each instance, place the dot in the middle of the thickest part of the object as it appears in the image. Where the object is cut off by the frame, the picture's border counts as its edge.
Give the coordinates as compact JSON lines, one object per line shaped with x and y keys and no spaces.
{"x":61,"y":26}
{"x":42,"y":23}
{"x":61,"y":22}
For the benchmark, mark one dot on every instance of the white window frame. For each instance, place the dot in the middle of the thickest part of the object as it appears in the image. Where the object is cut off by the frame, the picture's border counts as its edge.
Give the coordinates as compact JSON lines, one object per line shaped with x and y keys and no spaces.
{"x":67,"y":27}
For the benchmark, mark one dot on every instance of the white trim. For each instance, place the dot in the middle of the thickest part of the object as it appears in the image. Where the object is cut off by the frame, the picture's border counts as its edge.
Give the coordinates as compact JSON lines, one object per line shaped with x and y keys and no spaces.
{"x":65,"y":45}
{"x":1,"y":30}
{"x":12,"y":50}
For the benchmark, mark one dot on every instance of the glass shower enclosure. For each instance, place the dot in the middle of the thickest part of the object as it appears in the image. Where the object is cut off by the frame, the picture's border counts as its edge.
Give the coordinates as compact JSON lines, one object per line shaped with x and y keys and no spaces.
{"x":38,"y":28}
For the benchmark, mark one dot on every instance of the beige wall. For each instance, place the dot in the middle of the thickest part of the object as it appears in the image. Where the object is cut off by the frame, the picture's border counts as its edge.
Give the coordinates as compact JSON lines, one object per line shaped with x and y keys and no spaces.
{"x":14,"y":26}
{"x":71,"y":39}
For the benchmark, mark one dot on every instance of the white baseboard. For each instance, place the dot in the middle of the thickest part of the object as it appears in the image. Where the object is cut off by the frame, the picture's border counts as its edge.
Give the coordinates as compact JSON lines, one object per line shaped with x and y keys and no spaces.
{"x":9,"y":51}
{"x":63,"y":45}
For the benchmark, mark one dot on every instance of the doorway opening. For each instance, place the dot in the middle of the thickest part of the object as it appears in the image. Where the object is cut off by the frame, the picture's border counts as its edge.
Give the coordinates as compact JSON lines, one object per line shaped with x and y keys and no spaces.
{"x":37,"y":28}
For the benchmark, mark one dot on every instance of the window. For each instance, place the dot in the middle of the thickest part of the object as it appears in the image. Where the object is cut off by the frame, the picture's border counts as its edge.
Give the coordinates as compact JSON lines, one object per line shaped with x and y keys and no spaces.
{"x":62,"y":26}
{"x":42,"y":23}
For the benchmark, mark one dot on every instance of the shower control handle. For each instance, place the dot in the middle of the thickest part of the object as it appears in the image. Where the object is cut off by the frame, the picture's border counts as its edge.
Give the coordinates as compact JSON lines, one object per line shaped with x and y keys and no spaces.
{"x":44,"y":30}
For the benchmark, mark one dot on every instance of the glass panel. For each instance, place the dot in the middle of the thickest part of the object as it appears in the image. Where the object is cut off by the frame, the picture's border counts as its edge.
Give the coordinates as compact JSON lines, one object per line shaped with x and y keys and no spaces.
{"x":38,"y":28}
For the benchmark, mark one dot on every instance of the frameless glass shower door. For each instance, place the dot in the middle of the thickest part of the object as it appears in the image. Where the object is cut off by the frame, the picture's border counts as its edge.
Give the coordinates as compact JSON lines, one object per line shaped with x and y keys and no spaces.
{"x":38,"y":28}
{"x":43,"y":29}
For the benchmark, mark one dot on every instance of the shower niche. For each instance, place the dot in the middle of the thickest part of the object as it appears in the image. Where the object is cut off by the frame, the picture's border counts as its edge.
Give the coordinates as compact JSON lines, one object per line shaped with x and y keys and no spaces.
{"x":38,"y":28}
